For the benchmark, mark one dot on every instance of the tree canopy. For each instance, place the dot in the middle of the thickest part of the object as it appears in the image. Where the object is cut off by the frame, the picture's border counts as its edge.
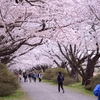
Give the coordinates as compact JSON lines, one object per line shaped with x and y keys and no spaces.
{"x":26,"y":24}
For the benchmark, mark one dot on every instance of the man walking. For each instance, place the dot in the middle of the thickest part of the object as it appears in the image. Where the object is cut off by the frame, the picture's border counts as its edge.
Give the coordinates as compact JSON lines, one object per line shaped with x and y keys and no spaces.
{"x":60,"y":80}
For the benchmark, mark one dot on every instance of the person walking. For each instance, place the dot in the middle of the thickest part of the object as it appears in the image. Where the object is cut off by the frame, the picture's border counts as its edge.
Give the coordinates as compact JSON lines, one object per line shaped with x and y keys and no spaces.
{"x":25,"y":76}
{"x":30,"y":76}
{"x":60,"y":80}
{"x":19,"y":77}
{"x":96,"y":91}
{"x":40,"y":76}
{"x":35,"y":77}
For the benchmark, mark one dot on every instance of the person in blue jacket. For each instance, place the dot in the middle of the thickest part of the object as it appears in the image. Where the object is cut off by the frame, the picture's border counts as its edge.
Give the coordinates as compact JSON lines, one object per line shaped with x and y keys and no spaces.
{"x":60,"y":80}
{"x":96,"y":91}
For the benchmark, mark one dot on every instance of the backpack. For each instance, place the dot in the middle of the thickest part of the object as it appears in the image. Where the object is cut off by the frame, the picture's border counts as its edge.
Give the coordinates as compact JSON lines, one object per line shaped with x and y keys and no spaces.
{"x":25,"y":75}
{"x":60,"y":78}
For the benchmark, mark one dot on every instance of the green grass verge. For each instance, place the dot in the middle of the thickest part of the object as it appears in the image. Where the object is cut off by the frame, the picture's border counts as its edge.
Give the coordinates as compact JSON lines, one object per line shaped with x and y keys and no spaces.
{"x":18,"y":95}
{"x":80,"y":88}
{"x":49,"y":82}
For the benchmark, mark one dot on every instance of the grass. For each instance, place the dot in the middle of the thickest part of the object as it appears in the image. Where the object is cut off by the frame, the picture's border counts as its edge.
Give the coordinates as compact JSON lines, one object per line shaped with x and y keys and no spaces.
{"x":49,"y":82}
{"x":80,"y":88}
{"x":18,"y":95}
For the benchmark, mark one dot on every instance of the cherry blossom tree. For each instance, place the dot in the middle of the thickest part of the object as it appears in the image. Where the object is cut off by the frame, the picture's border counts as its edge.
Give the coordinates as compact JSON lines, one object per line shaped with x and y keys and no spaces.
{"x":13,"y":34}
{"x":69,"y":22}
{"x":81,"y":62}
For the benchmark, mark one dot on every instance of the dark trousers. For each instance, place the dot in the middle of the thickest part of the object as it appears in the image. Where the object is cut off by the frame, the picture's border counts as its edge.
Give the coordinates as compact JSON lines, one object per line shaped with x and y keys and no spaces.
{"x":34,"y":78}
{"x":39,"y":79}
{"x":25,"y":79}
{"x":60,"y":85}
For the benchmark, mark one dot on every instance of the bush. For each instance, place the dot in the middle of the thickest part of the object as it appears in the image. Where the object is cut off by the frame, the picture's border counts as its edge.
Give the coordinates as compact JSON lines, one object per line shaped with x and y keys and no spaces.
{"x":8,"y":82}
{"x":48,"y":74}
{"x":52,"y":73}
{"x":94,"y":81}
{"x":68,"y":81}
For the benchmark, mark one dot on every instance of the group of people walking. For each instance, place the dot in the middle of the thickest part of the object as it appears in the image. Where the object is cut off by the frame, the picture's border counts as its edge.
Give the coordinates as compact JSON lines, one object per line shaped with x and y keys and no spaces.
{"x":60,"y":78}
{"x":33,"y":77}
{"x":29,"y":76}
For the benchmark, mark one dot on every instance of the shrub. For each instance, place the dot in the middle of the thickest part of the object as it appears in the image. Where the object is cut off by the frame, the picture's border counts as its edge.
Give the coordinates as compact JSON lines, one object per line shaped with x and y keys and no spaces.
{"x":8,"y":82}
{"x":48,"y":74}
{"x":68,"y":81}
{"x":51,"y":74}
{"x":88,"y":87}
{"x":94,"y":81}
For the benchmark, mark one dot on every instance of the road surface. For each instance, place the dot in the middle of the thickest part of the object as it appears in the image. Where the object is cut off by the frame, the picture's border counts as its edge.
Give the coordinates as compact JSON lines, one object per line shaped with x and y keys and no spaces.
{"x":45,"y":91}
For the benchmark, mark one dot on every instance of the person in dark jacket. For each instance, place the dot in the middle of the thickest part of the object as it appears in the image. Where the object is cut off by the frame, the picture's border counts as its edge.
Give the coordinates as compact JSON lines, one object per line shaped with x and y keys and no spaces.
{"x":30,"y":76}
{"x":60,"y":80}
{"x":96,"y":91}
{"x":25,"y":76}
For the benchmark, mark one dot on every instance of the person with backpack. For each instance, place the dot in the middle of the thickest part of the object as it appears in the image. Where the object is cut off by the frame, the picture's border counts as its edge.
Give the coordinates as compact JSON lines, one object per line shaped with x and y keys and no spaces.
{"x":96,"y":91}
{"x":60,"y":79}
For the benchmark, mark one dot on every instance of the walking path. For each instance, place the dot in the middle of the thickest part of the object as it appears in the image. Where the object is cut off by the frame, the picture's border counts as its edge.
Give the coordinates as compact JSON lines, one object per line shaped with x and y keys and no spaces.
{"x":44,"y":91}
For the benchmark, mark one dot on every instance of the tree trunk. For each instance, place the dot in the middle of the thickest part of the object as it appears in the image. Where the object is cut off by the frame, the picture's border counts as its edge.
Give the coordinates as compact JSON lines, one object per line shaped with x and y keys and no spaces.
{"x":83,"y":80}
{"x":74,"y":75}
{"x":90,"y":69}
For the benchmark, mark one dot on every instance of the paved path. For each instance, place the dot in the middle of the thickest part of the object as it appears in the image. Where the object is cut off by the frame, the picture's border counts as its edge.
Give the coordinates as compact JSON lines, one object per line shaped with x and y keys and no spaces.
{"x":44,"y":91}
